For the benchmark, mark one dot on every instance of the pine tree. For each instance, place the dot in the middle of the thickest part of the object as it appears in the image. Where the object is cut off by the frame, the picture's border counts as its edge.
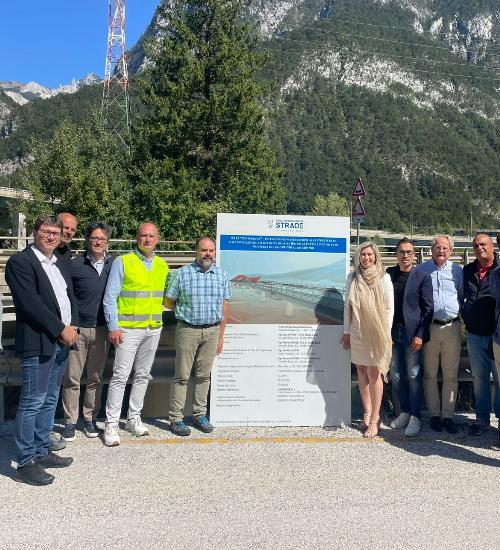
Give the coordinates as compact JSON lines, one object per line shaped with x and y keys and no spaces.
{"x":202,"y":146}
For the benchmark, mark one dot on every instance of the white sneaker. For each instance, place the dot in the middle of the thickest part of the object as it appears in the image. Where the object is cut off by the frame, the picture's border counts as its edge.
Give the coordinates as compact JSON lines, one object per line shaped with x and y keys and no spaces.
{"x":401,"y":421}
{"x":111,"y":437}
{"x":413,"y":427}
{"x":135,"y":426}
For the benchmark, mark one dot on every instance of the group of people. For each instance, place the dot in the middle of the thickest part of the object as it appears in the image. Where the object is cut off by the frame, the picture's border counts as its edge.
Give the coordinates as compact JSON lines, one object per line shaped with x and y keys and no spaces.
{"x":405,"y":322}
{"x":70,"y":310}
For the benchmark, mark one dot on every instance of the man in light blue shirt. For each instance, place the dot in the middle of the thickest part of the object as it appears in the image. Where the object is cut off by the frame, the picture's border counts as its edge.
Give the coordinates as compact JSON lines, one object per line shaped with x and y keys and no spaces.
{"x":132,"y":310}
{"x":445,"y":335}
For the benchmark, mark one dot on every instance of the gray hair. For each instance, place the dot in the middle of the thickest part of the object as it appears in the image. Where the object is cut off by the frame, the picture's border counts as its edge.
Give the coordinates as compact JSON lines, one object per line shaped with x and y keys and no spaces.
{"x":48,"y":219}
{"x":435,"y":239}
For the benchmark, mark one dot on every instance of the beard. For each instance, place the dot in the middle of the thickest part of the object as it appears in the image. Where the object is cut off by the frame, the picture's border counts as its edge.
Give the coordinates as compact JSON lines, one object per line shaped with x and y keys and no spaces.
{"x":205,"y":262}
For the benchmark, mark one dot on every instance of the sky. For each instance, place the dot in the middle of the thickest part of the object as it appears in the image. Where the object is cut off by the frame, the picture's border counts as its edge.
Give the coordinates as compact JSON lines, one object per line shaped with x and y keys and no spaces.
{"x":54,"y":41}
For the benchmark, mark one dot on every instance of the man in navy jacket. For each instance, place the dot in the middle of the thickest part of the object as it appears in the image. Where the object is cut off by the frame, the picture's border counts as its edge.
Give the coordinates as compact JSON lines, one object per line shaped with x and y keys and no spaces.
{"x":413,"y":309}
{"x":90,"y":273}
{"x":495,"y":289}
{"x":46,"y":326}
{"x":478,"y":314}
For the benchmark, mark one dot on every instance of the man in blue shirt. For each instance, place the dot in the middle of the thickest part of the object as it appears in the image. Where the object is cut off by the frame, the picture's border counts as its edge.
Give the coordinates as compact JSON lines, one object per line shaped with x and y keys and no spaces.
{"x":445,"y":335}
{"x":133,"y":311}
{"x":199,"y":293}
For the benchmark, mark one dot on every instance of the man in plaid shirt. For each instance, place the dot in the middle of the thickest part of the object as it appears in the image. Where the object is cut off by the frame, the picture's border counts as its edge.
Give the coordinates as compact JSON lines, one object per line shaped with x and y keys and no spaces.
{"x":199,"y":293}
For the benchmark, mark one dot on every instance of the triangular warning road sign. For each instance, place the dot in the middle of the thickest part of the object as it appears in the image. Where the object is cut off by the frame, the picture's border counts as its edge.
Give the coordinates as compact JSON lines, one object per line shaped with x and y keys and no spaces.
{"x":357,"y":209}
{"x":359,"y":189}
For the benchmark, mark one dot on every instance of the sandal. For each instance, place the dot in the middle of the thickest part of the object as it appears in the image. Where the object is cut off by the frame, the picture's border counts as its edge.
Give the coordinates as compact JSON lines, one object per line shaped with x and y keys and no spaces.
{"x":366,"y":421}
{"x":372,"y":430}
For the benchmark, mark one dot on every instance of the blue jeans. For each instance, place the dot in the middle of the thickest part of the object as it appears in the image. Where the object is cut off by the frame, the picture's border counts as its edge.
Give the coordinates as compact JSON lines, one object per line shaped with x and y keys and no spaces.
{"x":42,"y":378}
{"x":406,"y":373}
{"x":481,"y":365}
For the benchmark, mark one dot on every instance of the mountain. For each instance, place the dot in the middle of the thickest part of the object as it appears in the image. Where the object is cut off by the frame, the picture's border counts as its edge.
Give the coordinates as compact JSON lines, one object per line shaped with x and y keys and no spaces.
{"x":24,"y":93}
{"x":403,"y":93}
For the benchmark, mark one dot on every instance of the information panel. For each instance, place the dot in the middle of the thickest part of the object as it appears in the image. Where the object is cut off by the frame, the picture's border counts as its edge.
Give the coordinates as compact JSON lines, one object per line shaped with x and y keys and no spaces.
{"x":282,"y":363}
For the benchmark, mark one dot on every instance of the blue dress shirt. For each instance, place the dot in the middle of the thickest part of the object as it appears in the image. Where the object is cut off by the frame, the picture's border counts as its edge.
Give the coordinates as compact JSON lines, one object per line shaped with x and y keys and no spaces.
{"x":447,"y":289}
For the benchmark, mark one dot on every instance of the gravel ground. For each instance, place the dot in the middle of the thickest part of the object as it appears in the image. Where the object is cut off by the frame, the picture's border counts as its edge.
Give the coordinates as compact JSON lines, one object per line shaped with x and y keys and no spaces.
{"x":260,"y":488}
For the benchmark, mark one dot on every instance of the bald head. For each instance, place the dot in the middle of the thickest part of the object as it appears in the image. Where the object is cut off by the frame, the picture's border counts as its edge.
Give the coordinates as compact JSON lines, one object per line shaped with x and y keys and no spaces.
{"x":70,"y":224}
{"x":147,"y":238}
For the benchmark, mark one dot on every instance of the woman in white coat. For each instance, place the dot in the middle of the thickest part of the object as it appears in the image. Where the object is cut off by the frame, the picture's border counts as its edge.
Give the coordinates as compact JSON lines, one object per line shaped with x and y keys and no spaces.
{"x":368,"y":312}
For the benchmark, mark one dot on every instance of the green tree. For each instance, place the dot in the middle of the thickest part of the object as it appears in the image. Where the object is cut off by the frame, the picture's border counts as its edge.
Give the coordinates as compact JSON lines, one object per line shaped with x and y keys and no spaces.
{"x":202,"y":146}
{"x":331,"y":205}
{"x":79,"y":170}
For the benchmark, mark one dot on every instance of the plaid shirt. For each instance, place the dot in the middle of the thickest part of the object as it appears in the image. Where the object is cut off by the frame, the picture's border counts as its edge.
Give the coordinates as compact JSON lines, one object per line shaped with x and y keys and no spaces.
{"x":199,"y":295}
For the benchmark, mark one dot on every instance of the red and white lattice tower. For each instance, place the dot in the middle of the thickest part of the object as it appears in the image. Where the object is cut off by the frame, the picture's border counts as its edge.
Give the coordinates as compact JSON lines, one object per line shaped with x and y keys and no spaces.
{"x":115,"y":98}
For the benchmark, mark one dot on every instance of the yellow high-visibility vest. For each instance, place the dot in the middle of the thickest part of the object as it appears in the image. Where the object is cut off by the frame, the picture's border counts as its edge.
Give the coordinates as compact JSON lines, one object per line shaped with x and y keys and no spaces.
{"x":140,"y":303}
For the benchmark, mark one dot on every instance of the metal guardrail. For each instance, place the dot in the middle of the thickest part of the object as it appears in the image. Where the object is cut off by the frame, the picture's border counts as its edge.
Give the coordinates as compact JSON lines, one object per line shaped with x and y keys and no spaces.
{"x":182,"y":252}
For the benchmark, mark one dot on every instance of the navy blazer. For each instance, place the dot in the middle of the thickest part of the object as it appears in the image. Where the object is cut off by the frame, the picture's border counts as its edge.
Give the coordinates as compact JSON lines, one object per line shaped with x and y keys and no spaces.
{"x":38,"y":317}
{"x":418,"y":303}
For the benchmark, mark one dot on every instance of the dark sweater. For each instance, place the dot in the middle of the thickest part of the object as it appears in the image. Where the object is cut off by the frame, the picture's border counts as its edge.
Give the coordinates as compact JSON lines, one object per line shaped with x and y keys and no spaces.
{"x":479,"y":304}
{"x":89,"y":289}
{"x":63,"y":255}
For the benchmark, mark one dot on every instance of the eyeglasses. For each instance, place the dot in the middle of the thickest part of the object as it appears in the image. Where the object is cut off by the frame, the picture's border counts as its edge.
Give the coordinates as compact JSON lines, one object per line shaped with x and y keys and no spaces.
{"x":406,"y":252}
{"x":98,"y":239}
{"x":46,"y":233}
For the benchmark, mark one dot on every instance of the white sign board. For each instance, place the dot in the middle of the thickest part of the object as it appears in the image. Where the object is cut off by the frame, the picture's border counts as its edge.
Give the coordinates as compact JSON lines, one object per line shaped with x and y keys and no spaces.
{"x":282,"y":363}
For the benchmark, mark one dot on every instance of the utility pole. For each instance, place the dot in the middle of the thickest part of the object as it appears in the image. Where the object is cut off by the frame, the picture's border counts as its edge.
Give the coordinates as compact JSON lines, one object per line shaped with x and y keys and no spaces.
{"x":115,"y":97}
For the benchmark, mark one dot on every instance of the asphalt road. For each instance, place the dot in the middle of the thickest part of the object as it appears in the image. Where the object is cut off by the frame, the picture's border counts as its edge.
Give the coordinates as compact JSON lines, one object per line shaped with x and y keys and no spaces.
{"x":260,"y":488}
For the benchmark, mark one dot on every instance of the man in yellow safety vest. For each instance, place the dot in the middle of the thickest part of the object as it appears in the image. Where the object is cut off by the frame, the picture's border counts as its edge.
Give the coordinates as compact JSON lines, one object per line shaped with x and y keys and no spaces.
{"x":133,"y":312}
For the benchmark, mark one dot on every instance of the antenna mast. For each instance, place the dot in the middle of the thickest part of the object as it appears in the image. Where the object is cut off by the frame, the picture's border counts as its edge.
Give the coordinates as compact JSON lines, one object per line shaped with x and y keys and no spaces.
{"x":115,"y":98}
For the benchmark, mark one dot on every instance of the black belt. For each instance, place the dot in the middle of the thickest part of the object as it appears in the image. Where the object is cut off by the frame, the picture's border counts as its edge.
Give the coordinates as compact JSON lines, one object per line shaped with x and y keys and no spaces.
{"x":444,"y":323}
{"x":209,"y":325}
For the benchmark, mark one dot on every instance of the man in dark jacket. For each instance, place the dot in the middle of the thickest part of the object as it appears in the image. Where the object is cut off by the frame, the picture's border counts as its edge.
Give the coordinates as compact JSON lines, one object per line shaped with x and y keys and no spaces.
{"x":63,"y":252}
{"x":89,"y":272}
{"x":413,"y":309}
{"x":46,"y":326}
{"x":479,"y":318}
{"x":495,"y":284}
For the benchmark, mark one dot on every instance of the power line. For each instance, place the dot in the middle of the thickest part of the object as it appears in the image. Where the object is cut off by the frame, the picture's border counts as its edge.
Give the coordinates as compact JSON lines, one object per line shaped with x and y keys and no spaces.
{"x":413,"y":70}
{"x":427,"y":60}
{"x":406,"y":29}
{"x":366,"y":23}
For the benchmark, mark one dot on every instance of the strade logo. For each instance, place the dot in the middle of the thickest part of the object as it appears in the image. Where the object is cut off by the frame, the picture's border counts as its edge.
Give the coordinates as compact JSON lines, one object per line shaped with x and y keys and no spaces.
{"x":286,"y":225}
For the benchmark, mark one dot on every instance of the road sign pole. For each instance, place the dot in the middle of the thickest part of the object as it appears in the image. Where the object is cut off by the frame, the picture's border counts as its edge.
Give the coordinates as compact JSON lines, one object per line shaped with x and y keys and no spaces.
{"x":357,"y":233}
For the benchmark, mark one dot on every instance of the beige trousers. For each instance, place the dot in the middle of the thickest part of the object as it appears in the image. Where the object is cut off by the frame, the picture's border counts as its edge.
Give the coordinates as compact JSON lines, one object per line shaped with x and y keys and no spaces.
{"x":195,"y":349}
{"x":443,"y":348}
{"x":93,"y":347}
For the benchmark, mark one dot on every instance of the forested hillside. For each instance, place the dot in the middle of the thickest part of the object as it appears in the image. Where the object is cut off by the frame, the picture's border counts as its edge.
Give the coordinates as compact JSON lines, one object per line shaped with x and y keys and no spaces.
{"x":404,"y":93}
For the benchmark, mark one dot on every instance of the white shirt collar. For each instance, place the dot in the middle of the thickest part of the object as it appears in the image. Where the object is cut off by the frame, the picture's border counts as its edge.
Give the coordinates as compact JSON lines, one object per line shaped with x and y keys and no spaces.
{"x":42,"y":257}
